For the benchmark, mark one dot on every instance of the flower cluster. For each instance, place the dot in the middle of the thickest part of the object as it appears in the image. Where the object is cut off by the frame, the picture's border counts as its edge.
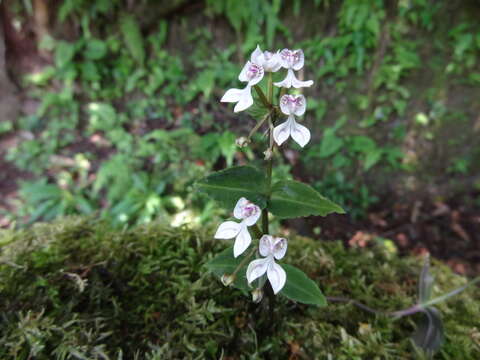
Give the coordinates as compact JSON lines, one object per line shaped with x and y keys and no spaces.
{"x":270,"y":247}
{"x":290,"y":105}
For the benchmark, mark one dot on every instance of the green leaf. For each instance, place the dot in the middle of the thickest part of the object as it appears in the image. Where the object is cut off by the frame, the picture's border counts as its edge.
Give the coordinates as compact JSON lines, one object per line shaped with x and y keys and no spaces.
{"x":227,"y":186}
{"x":372,"y":158}
{"x":330,"y":144}
{"x":290,"y":199}
{"x":133,"y":37}
{"x":226,"y":143}
{"x":95,"y":49}
{"x":362,"y":143}
{"x":225,"y":263}
{"x":299,"y":287}
{"x":429,"y":335}
{"x":64,"y":53}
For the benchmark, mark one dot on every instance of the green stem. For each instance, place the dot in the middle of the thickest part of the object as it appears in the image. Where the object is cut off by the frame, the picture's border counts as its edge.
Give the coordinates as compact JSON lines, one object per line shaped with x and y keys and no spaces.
{"x":257,"y":126}
{"x":245,"y":260}
{"x":269,"y":165}
{"x":257,"y":232}
{"x":262,"y":97}
{"x":268,"y":170}
{"x":270,"y":88}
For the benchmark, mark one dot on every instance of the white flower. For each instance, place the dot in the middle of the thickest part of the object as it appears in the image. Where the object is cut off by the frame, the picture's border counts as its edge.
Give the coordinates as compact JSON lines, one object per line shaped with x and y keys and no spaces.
{"x":292,"y":105}
{"x":292,"y":60}
{"x":252,"y":73}
{"x":271,"y":248}
{"x":249,"y":214}
{"x":271,"y":62}
{"x":243,"y":98}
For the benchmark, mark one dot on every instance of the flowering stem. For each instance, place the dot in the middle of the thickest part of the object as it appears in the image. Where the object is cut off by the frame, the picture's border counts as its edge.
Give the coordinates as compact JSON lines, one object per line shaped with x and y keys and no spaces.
{"x":270,"y":88}
{"x":269,"y":160}
{"x":268,"y":170}
{"x":262,"y":97}
{"x":258,"y":125}
{"x":245,"y":260}
{"x":256,"y":230}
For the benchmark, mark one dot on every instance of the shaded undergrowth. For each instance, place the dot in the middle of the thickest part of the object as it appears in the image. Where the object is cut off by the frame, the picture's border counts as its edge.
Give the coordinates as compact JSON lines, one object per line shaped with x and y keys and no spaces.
{"x":76,"y":289}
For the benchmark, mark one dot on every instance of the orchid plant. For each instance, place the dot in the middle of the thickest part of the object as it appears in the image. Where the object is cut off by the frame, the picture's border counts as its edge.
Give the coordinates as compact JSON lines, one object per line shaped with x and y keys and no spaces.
{"x":251,"y":263}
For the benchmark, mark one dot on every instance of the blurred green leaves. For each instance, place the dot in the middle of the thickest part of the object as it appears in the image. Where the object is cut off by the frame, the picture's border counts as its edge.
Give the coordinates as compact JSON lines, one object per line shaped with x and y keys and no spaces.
{"x":133,"y":37}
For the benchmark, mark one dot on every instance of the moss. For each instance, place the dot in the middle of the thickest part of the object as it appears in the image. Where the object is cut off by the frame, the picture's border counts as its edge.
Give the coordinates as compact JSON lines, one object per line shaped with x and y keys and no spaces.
{"x":77,"y":290}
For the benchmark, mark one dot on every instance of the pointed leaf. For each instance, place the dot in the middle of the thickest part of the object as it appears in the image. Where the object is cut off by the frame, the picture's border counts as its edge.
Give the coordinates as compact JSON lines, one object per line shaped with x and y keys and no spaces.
{"x":225,"y":263}
{"x":227,"y":186}
{"x":299,"y":287}
{"x":429,"y":335}
{"x":290,"y":199}
{"x":448,"y":295}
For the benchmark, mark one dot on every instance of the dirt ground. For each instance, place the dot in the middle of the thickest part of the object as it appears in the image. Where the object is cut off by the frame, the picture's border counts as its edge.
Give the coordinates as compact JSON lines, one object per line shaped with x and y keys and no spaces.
{"x":448,"y":230}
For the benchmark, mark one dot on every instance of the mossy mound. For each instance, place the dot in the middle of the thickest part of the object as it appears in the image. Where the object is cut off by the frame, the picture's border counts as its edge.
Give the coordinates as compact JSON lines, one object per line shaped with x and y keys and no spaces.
{"x":77,"y":290}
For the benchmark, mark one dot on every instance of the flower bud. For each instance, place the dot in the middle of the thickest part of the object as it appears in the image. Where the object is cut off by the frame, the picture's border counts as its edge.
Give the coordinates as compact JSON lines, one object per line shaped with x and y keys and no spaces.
{"x":257,"y":295}
{"x":242,"y":141}
{"x":268,"y":154}
{"x":227,"y":279}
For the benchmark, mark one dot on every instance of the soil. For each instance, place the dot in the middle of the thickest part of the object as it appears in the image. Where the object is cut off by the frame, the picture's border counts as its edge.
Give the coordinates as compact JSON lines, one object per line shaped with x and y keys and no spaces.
{"x":447,"y":230}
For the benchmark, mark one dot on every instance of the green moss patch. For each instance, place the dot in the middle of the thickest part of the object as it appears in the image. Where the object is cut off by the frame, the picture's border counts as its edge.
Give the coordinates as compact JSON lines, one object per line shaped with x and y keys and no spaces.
{"x":75,"y":289}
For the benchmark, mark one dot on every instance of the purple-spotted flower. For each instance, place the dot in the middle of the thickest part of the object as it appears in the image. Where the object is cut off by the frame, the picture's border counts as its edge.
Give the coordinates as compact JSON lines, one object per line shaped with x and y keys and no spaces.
{"x":270,"y":61}
{"x":292,"y":60}
{"x":292,"y":105}
{"x":270,"y":248}
{"x":249,"y":213}
{"x":252,"y":73}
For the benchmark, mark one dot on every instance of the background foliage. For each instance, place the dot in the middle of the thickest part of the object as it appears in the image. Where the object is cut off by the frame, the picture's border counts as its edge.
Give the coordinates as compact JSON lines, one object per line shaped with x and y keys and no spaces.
{"x":125,"y":121}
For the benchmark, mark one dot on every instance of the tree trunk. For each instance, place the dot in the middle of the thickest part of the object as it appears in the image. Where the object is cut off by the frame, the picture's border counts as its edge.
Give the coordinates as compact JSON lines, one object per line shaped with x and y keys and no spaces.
{"x":9,"y":102}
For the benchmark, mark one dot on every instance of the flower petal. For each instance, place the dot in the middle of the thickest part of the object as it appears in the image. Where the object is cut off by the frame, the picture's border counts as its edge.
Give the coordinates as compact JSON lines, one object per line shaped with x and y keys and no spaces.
{"x":299,"y":133}
{"x":297,"y":84}
{"x":265,"y":245}
{"x":255,"y":79}
{"x":277,"y":276}
{"x":242,"y":241}
{"x":300,"y":105}
{"x":279,"y":248}
{"x":287,"y":82}
{"x":243,"y":74}
{"x":286,"y":102}
{"x":300,"y":59}
{"x":282,"y":132}
{"x":232,"y":95}
{"x":227,"y":230}
{"x":252,"y":219}
{"x":257,"y":268}
{"x":237,"y":211}
{"x":285,"y":55}
{"x":245,"y":101}
{"x":274,"y":64}
{"x":271,"y":62}
{"x":257,"y":56}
